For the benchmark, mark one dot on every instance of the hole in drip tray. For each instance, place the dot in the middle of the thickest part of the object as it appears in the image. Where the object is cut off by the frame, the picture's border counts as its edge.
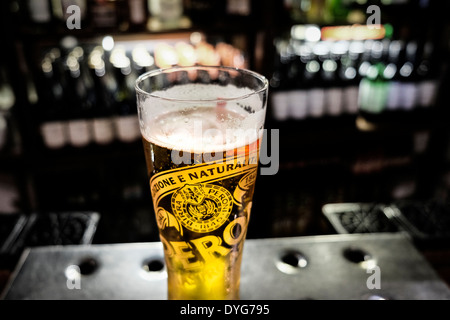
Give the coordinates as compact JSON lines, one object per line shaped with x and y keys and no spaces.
{"x":88,"y":266}
{"x":153,"y":266}
{"x":291,"y":261}
{"x":153,"y":269}
{"x":359,"y":256}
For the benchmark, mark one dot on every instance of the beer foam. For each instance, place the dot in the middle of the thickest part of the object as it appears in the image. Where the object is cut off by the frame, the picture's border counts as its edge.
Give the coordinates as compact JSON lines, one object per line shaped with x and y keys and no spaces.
{"x":202,"y":126}
{"x":199,"y":91}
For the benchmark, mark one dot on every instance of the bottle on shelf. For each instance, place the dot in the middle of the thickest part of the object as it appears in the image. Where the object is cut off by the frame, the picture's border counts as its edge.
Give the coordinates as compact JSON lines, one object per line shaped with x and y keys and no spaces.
{"x":408,"y":78}
{"x":3,"y":131}
{"x":298,"y":96}
{"x":333,"y":81}
{"x":39,"y":12}
{"x":392,"y":75}
{"x":126,"y":118}
{"x":279,"y":82}
{"x":7,"y":96}
{"x":292,"y":78}
{"x":7,"y":101}
{"x":108,"y":14}
{"x":167,"y":15}
{"x":332,"y":87}
{"x":138,"y":14}
{"x":240,"y":8}
{"x":102,"y":124}
{"x":81,"y":102}
{"x":364,"y":61}
{"x":348,"y":72}
{"x":53,"y":112}
{"x":313,"y":75}
{"x":427,"y":77}
{"x":142,"y":60}
{"x":373,"y":89}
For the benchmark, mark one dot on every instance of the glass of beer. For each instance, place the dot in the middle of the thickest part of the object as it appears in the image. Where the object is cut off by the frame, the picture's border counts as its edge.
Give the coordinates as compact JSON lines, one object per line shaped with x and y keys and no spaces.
{"x":201,"y":130}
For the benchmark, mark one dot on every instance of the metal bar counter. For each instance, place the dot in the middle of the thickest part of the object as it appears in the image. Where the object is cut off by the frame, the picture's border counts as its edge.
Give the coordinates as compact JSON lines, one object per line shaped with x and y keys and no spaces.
{"x":343,"y":267}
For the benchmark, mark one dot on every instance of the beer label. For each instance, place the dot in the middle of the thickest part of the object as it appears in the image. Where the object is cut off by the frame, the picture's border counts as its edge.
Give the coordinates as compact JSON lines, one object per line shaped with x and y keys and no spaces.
{"x":210,"y":201}
{"x":137,"y":11}
{"x":393,"y":99}
{"x":280,"y":104}
{"x":127,"y":128}
{"x":54,"y":134}
{"x":427,"y":92}
{"x":167,"y":182}
{"x":79,"y":132}
{"x":103,"y":130}
{"x":351,"y":99}
{"x":408,"y":95}
{"x":202,"y":207}
{"x":334,"y":101}
{"x":298,"y":104}
{"x":317,"y":102}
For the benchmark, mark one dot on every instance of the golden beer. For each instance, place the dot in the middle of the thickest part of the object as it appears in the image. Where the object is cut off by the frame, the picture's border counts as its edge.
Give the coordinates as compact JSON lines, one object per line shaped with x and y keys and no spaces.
{"x":202,"y":161}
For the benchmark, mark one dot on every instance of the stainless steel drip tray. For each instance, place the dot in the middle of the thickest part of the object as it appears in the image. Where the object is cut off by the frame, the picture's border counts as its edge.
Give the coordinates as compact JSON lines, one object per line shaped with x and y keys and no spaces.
{"x":343,"y":267}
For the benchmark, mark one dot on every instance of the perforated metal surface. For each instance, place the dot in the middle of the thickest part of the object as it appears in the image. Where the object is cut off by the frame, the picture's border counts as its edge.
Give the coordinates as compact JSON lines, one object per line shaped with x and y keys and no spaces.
{"x":351,"y":266}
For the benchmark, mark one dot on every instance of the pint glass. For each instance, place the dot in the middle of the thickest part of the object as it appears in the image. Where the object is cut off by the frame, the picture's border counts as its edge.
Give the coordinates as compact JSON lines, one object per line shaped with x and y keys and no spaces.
{"x":201,"y":130}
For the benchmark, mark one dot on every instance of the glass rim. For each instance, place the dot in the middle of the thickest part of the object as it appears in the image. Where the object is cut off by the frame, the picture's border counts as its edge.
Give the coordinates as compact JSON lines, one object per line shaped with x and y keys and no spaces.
{"x":151,"y":73}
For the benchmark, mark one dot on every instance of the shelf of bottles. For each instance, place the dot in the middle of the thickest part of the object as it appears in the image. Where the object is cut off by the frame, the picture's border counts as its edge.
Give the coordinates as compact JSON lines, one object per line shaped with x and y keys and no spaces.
{"x":347,"y":70}
{"x":86,"y":90}
{"x":89,"y":154}
{"x":80,"y":58}
{"x":54,"y":17}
